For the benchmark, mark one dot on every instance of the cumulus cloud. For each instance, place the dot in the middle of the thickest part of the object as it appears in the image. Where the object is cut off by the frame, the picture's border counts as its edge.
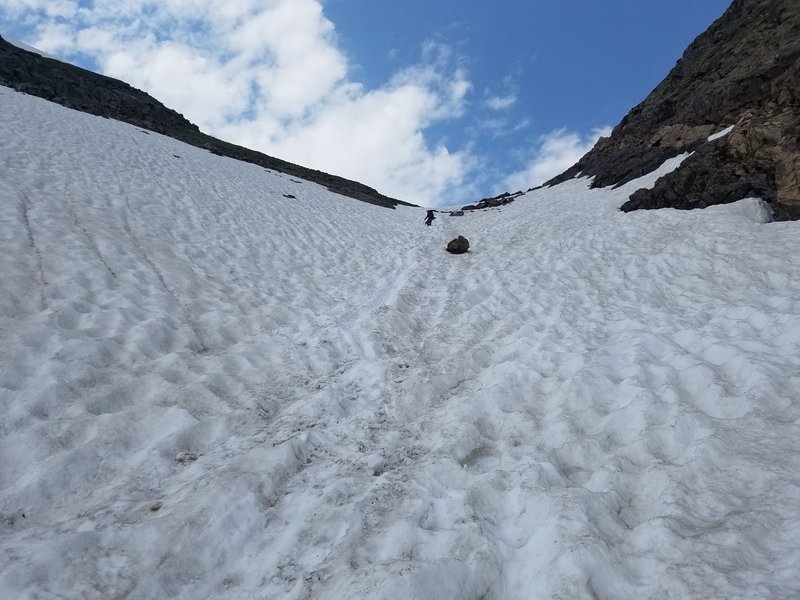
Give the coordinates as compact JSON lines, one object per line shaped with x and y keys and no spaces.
{"x":501,"y":102}
{"x":270,"y":75}
{"x":51,"y":8}
{"x":555,"y":153}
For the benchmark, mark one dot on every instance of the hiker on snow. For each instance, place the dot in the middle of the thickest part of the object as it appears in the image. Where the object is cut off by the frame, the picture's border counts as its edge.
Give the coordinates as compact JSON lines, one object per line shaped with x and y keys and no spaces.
{"x":429,"y":218}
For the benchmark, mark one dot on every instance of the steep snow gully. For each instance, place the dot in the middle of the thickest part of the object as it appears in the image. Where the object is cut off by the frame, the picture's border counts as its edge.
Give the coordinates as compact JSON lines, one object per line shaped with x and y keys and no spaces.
{"x":211,"y":390}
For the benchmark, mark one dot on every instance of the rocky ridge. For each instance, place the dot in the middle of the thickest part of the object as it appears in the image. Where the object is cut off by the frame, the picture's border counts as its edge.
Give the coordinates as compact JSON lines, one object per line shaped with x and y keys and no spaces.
{"x":96,"y":94}
{"x":744,"y":71}
{"x":494,"y":201}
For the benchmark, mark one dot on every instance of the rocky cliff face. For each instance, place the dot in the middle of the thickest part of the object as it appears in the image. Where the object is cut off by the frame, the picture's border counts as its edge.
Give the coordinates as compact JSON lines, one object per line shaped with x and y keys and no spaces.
{"x":744,"y":71}
{"x":89,"y":92}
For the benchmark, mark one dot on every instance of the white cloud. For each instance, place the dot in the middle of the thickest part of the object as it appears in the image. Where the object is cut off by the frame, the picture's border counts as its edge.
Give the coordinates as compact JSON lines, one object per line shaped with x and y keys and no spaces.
{"x":501,"y":102}
{"x":502,"y":126}
{"x":270,"y":75}
{"x":372,"y":136}
{"x":51,"y":8}
{"x":556,"y":152}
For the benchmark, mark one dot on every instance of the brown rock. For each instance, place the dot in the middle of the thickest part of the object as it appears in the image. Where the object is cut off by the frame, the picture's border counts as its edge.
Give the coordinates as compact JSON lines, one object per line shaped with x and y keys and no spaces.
{"x":744,"y":70}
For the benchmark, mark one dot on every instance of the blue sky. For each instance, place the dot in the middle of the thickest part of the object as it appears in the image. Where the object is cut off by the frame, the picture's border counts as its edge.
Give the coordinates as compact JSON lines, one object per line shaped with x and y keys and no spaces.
{"x":432,"y":101}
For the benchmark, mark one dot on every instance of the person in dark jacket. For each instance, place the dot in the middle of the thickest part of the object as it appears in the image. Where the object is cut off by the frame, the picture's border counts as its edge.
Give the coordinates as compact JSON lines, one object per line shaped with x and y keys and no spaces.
{"x":429,"y":218}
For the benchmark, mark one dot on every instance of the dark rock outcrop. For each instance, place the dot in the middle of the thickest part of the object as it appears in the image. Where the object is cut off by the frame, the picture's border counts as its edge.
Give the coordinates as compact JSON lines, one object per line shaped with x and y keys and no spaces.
{"x":743,"y":71}
{"x":493,"y":202}
{"x":89,"y":92}
{"x":458,"y":246}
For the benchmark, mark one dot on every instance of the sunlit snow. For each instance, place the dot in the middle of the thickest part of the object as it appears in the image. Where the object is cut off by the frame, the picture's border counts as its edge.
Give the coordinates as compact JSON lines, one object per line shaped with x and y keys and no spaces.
{"x":210,"y":389}
{"x":720,"y":134}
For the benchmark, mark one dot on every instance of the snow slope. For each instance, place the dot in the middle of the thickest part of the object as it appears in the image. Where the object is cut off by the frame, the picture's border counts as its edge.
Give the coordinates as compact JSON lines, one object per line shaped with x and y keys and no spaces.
{"x":211,"y":390}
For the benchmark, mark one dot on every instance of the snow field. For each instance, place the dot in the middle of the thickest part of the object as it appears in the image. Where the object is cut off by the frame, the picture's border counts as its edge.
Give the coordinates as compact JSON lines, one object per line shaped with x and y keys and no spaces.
{"x":210,"y":390}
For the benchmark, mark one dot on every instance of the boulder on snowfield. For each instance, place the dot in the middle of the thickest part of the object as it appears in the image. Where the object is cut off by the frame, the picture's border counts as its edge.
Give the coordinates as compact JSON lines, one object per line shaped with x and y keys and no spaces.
{"x":458,"y":246}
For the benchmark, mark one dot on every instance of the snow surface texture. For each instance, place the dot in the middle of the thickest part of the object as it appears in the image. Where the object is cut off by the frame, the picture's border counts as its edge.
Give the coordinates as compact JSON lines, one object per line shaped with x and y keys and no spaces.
{"x":210,"y":390}
{"x":720,"y":134}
